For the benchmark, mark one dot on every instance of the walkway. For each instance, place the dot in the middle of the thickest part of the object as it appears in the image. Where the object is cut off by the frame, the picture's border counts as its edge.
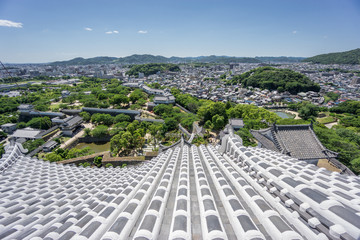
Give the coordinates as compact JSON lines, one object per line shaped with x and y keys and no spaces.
{"x":106,"y":158}
{"x":330,"y":125}
{"x":293,"y":112}
{"x":77,"y":136}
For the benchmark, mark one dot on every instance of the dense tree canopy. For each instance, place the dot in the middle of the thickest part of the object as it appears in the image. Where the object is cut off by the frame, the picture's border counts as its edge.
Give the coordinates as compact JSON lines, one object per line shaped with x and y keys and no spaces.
{"x":173,"y":116}
{"x":101,"y":118}
{"x":33,"y":144}
{"x":333,"y":96}
{"x":137,"y":94}
{"x":343,"y":141}
{"x":348,"y":57}
{"x":152,"y":68}
{"x":63,"y":154}
{"x":8,"y":104}
{"x":39,"y":123}
{"x":100,"y":131}
{"x":276,"y":79}
{"x":349,"y":106}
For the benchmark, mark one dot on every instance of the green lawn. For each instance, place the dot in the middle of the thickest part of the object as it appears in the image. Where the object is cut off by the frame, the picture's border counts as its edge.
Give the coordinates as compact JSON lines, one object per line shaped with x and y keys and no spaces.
{"x":53,"y":106}
{"x":325,"y":120}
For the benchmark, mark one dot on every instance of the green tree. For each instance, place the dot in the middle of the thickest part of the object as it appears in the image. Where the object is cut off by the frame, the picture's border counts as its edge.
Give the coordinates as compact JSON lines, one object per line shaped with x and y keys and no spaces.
{"x":53,"y":157}
{"x":120,"y":99}
{"x":122,"y":118}
{"x":209,"y":111}
{"x":101,"y":96}
{"x":86,"y":116}
{"x":155,"y":130}
{"x":100,"y":131}
{"x":33,"y":144}
{"x":208,"y":125}
{"x":21,"y":125}
{"x":132,"y":127}
{"x":85,"y":164}
{"x":333,"y":96}
{"x":97,"y":161}
{"x":87,"y":131}
{"x":105,"y":119}
{"x":39,"y":123}
{"x":218,"y":122}
{"x":248,"y":139}
{"x":108,"y":165}
{"x":136,"y":95}
{"x":163,"y":110}
{"x":170,"y":124}
{"x":276,"y":79}
{"x":42,"y":107}
{"x":308,"y":111}
{"x":2,"y":150}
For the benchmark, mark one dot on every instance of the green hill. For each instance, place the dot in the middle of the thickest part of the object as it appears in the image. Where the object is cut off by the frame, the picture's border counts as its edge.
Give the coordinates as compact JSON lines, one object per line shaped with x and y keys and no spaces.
{"x":152,"y":68}
{"x":348,"y":57}
{"x":280,"y":59}
{"x":276,"y":79}
{"x":147,"y":58}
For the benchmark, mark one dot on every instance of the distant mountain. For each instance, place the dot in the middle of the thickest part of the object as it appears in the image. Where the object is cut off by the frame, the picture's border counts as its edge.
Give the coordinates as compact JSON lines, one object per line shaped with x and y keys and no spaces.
{"x":348,"y":57}
{"x":147,"y":58}
{"x":83,"y":61}
{"x":280,"y":59}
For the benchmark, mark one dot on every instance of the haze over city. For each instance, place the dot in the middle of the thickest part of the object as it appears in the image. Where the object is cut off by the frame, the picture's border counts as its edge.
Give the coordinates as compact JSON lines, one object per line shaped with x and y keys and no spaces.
{"x":44,"y":31}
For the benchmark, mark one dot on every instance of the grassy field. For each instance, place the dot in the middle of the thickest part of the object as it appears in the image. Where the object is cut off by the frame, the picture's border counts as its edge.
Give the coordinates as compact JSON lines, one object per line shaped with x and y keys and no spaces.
{"x":53,"y":106}
{"x":64,"y":139}
{"x":325,"y":120}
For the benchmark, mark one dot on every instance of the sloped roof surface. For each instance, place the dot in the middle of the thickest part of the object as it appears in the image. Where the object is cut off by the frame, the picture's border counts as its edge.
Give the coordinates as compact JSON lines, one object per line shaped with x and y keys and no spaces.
{"x":184,"y":193}
{"x":299,"y":141}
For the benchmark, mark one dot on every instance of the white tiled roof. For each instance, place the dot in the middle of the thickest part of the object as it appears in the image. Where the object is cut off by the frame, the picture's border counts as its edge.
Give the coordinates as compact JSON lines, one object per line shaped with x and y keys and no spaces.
{"x":184,"y":193}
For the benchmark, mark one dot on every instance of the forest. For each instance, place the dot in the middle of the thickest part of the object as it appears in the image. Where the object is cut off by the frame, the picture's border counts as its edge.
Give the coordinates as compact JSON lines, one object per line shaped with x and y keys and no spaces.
{"x":152,"y":68}
{"x":348,"y":57}
{"x":275,"y":79}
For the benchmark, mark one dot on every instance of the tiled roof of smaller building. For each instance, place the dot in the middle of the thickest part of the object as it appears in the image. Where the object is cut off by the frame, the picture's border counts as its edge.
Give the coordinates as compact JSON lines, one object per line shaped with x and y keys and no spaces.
{"x":298,"y":141}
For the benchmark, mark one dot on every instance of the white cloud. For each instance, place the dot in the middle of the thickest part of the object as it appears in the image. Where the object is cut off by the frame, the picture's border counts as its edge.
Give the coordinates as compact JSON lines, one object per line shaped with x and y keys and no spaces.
{"x":142,"y":31}
{"x":294,"y":32}
{"x":7,"y":23}
{"x":88,"y":29}
{"x":111,"y":32}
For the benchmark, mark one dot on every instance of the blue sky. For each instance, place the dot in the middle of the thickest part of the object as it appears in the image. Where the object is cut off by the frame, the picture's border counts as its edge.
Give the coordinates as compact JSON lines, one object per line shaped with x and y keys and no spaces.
{"x":36,"y":31}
